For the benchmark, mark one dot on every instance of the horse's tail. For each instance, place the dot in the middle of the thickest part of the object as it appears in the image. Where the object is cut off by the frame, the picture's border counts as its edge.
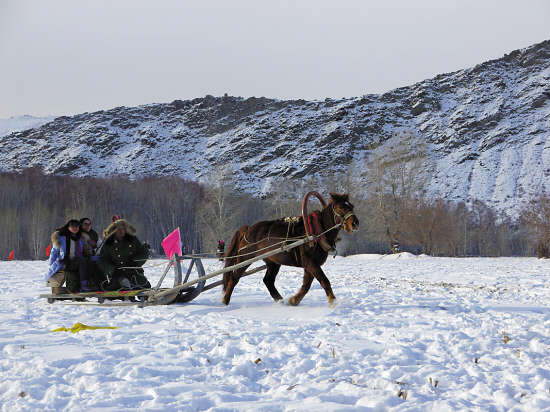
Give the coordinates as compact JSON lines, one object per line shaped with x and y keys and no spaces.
{"x":232,"y":252}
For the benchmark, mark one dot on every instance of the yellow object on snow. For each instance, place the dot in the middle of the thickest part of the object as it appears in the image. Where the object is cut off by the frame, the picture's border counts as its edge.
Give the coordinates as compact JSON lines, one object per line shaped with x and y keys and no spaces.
{"x":77,"y":327}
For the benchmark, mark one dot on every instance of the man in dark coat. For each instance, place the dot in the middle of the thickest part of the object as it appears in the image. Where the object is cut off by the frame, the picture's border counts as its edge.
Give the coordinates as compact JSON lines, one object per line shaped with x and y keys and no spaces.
{"x":121,"y":258}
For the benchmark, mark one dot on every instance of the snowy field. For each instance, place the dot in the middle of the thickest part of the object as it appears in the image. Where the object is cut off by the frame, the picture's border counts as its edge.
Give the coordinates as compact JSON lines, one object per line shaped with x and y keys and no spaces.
{"x":408,"y":333}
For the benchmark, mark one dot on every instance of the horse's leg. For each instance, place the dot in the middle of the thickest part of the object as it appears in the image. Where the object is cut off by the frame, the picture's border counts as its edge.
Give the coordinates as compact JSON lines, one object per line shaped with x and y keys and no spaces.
{"x":232,"y":281}
{"x":297,"y":298}
{"x":226,"y":277}
{"x":269,"y":279}
{"x":323,"y":280}
{"x":234,"y":278}
{"x":231,"y":256}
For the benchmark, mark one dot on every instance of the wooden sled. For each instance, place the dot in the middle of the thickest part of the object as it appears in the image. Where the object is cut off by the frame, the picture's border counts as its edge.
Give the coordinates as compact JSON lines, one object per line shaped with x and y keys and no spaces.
{"x":186,"y":287}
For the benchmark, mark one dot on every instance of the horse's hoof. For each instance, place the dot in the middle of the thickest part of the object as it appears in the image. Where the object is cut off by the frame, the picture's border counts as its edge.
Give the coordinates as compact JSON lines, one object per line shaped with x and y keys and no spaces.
{"x":293,"y":302}
{"x":225,"y":301}
{"x":332,"y":303}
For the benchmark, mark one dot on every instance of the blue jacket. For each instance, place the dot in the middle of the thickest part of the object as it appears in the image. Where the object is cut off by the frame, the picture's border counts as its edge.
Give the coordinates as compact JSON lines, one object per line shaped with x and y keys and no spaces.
{"x":57,"y":254}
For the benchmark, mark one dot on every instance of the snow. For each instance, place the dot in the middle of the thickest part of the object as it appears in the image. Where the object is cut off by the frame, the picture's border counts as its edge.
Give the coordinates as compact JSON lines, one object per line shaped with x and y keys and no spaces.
{"x":19,"y":123}
{"x":402,"y":324}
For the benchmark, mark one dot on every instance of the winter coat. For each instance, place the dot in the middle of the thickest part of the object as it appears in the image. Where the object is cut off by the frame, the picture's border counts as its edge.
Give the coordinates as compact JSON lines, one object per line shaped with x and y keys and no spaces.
{"x":58,"y":252}
{"x":91,"y":238}
{"x":128,"y":251}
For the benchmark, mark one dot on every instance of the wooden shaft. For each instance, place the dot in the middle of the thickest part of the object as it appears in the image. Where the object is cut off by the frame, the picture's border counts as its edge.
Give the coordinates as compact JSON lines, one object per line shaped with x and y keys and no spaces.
{"x":247,"y":262}
{"x":247,"y":273}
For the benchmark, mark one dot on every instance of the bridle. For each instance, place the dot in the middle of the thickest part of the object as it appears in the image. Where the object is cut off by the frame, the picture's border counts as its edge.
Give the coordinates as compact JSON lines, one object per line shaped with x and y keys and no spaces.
{"x":342,"y":218}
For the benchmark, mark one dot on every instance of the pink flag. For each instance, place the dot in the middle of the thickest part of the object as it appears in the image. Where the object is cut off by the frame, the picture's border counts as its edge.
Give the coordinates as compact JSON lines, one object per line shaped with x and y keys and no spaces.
{"x":172,"y":244}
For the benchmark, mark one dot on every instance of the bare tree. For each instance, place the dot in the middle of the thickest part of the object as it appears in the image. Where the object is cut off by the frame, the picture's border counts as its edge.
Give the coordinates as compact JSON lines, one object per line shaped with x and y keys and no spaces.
{"x":38,"y":231}
{"x":536,"y":219}
{"x":219,"y":209}
{"x":396,"y":175}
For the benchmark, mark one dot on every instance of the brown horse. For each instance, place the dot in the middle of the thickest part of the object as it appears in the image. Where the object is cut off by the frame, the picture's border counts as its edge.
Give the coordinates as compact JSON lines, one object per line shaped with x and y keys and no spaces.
{"x":251,"y":241}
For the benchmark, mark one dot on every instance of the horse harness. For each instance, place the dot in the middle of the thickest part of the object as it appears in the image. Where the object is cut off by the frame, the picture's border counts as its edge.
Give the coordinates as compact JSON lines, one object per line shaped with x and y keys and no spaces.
{"x":290,"y":220}
{"x":313,"y":221}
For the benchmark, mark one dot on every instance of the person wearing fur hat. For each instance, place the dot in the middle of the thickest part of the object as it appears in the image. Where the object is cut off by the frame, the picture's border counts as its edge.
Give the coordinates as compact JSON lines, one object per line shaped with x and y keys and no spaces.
{"x":121,"y":258}
{"x":68,"y":254}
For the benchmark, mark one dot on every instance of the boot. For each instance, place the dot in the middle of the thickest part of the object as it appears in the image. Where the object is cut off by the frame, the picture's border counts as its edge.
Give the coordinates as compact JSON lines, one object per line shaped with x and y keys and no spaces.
{"x":140,"y":282}
{"x":59,"y":290}
{"x":73,"y":282}
{"x":84,"y":286}
{"x":125,"y":284}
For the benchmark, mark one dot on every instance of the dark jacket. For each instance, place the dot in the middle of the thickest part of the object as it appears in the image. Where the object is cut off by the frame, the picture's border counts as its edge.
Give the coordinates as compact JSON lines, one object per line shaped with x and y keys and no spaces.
{"x":127,"y":252}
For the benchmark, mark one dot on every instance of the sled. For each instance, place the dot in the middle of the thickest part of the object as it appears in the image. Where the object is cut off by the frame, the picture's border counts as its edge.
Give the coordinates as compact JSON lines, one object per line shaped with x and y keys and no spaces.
{"x":142,"y":297}
{"x":186,"y":286}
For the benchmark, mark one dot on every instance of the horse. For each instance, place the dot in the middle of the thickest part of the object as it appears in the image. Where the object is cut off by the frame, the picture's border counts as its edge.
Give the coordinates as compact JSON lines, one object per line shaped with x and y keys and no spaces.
{"x":254,"y":240}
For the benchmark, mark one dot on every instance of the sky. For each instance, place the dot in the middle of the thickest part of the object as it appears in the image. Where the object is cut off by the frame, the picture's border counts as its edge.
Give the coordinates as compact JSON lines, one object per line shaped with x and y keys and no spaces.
{"x":68,"y":57}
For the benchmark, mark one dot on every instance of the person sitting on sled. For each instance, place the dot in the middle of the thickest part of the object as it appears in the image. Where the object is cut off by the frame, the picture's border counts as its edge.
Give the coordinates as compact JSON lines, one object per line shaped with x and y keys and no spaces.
{"x":68,"y":255}
{"x":89,"y":235}
{"x":121,"y":258}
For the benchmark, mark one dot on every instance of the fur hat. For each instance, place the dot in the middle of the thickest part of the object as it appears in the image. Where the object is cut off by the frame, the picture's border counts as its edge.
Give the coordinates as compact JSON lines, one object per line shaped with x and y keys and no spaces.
{"x":112,"y":228}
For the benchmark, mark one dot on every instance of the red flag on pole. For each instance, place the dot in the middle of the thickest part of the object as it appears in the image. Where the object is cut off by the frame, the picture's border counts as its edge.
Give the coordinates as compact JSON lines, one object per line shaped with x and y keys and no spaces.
{"x":48,"y":250}
{"x":12,"y":254}
{"x":172,"y":244}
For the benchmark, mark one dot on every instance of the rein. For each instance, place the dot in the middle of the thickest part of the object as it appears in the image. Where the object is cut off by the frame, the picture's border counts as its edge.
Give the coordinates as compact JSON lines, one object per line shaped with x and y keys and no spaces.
{"x":278,"y":243}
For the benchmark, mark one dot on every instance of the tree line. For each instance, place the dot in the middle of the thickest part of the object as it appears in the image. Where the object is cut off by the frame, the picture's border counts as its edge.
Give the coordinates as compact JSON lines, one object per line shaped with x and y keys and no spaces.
{"x":394,"y":213}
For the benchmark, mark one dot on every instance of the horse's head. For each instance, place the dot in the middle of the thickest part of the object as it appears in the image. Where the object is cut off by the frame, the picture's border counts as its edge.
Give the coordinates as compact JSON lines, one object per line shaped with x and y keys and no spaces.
{"x":343,"y":212}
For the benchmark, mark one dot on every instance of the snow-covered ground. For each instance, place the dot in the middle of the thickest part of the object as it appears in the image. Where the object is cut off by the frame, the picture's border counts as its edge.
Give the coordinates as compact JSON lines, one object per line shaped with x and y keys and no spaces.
{"x":447,"y":334}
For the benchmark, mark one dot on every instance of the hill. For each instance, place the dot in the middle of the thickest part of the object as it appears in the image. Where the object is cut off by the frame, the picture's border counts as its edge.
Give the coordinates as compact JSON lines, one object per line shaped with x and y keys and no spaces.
{"x":485,"y":129}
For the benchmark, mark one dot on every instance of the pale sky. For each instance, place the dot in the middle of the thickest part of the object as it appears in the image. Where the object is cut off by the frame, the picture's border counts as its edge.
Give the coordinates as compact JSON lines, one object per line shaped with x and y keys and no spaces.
{"x":68,"y":57}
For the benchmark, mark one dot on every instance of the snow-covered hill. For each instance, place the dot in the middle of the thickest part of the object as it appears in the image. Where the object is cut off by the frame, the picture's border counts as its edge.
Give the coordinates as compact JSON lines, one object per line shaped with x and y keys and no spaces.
{"x":469,"y":334}
{"x":19,"y":123}
{"x":487,"y":131}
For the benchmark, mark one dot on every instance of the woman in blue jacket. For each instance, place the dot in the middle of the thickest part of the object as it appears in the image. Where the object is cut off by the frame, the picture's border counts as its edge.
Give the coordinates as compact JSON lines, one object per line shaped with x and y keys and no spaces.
{"x":68,"y":254}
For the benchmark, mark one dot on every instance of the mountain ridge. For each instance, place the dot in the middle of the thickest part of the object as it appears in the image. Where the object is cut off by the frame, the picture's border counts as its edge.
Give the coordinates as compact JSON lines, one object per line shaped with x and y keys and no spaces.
{"x":486,"y":130}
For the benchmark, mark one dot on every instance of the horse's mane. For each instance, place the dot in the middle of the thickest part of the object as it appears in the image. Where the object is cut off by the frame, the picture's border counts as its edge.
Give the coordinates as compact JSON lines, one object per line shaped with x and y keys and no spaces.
{"x":296,"y":219}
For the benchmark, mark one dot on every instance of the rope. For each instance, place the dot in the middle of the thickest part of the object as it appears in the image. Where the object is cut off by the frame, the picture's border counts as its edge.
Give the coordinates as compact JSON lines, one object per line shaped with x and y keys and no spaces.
{"x":278,"y":243}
